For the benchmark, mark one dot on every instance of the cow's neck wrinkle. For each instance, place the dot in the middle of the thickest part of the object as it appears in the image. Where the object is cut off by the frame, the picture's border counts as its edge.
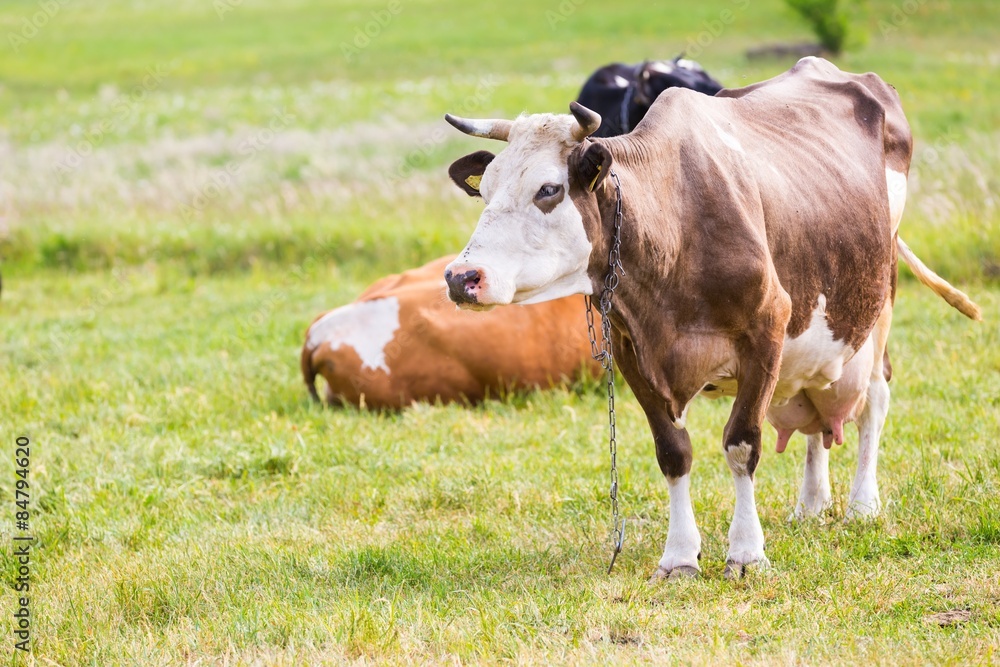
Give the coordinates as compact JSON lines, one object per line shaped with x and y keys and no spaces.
{"x":650,"y":234}
{"x":648,"y":249}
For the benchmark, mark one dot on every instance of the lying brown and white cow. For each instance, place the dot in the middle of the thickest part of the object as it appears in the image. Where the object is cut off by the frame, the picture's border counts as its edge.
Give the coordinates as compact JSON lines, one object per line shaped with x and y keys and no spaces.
{"x":759,"y":245}
{"x":404,"y":341}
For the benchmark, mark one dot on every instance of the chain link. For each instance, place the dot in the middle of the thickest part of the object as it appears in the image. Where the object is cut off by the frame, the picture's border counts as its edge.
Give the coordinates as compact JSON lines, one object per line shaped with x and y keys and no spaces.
{"x":603,"y":354}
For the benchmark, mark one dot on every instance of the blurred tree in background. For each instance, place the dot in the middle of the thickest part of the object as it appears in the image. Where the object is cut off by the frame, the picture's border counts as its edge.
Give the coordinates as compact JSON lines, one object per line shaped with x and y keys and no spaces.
{"x":827,"y":19}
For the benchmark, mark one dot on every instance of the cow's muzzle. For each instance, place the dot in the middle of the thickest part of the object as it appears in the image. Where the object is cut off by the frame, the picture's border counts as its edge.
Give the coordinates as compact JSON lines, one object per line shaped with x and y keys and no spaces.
{"x":465,"y":287}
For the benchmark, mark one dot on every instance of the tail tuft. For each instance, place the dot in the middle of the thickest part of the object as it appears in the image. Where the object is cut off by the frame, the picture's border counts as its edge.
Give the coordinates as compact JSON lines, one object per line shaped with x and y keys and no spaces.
{"x":308,"y":372}
{"x":955,"y":297}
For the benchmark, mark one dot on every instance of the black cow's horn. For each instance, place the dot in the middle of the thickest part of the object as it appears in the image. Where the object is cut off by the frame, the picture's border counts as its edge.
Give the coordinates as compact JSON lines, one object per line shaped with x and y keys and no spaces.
{"x":498,"y":129}
{"x":589,"y":120}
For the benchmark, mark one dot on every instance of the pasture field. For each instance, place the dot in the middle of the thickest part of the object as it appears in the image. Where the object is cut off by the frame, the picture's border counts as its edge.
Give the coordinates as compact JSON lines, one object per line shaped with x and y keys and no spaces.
{"x":185,"y":184}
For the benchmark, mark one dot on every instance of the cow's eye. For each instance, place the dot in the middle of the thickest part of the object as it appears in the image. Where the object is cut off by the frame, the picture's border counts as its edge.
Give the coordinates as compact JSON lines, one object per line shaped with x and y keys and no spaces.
{"x":548,"y":190}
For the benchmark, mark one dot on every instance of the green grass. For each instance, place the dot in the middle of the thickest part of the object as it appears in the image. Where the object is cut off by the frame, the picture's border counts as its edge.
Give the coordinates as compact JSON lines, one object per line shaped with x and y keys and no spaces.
{"x":192,"y":506}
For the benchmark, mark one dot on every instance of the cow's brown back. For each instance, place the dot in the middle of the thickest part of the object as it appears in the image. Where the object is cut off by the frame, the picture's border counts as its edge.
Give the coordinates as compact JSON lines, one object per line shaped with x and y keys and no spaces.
{"x":768,"y":159}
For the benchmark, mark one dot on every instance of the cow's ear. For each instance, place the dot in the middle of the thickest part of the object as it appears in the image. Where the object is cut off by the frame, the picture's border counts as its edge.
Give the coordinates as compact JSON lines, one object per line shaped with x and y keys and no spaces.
{"x":590,"y":166}
{"x":643,"y":94}
{"x":467,"y":171}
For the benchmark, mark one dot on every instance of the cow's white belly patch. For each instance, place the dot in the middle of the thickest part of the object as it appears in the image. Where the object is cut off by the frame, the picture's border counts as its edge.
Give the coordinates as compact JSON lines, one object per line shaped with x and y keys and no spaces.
{"x":366,"y":327}
{"x":813,"y":359}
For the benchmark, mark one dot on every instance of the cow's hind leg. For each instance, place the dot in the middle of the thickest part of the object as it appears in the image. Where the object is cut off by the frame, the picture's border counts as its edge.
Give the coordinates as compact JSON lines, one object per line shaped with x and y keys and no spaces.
{"x":864,"y":500}
{"x":815,"y":496}
{"x":673,"y":452}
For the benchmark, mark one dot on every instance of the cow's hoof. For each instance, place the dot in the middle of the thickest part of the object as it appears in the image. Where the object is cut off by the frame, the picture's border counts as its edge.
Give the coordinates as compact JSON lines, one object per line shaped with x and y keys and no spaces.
{"x":812,"y":510}
{"x":862,"y":511}
{"x":736,"y":570}
{"x":679,"y":572}
{"x":684,"y":572}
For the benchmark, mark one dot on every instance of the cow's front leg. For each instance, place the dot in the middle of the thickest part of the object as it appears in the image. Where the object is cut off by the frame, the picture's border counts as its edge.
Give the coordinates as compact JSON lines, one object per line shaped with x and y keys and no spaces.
{"x":683,"y":547}
{"x":673,"y":453}
{"x":742,"y":442}
{"x":746,"y":537}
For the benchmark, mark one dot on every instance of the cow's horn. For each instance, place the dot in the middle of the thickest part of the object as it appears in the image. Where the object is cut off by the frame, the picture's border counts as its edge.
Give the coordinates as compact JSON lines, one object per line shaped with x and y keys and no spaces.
{"x":487,"y":129}
{"x":589,"y":120}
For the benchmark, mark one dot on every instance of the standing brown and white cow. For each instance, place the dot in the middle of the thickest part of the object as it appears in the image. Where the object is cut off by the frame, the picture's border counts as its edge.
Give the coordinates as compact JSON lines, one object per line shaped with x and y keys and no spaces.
{"x":759,"y":244}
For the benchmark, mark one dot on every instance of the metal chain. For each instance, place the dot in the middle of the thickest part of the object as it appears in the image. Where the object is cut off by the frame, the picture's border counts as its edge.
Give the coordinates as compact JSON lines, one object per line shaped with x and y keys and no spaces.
{"x":604,"y":355}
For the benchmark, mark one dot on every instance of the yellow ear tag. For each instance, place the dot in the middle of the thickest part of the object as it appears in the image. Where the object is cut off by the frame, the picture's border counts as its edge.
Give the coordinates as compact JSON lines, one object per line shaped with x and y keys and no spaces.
{"x":596,"y":176}
{"x":474,"y":181}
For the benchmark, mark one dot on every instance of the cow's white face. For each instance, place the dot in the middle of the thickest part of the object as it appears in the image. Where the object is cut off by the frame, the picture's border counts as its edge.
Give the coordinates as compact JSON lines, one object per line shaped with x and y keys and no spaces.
{"x":530,"y":244}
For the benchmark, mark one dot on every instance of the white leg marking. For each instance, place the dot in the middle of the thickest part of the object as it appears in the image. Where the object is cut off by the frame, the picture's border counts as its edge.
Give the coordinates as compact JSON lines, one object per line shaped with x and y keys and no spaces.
{"x":864,"y":500}
{"x":680,"y":422}
{"x":746,"y":537}
{"x":815,"y":495}
{"x":680,"y":554}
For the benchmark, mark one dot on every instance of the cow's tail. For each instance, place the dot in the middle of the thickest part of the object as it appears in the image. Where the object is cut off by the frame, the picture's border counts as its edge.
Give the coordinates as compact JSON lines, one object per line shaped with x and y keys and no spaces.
{"x":309,"y":371}
{"x":956,"y":297}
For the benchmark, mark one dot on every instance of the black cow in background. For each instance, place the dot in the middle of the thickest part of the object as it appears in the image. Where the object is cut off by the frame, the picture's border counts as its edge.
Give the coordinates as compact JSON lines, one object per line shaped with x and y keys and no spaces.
{"x":622,"y":94}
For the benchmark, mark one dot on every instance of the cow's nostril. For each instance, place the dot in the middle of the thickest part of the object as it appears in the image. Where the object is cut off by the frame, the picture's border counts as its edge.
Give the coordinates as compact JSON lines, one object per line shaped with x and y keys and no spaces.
{"x":463,"y":287}
{"x":472,"y":279}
